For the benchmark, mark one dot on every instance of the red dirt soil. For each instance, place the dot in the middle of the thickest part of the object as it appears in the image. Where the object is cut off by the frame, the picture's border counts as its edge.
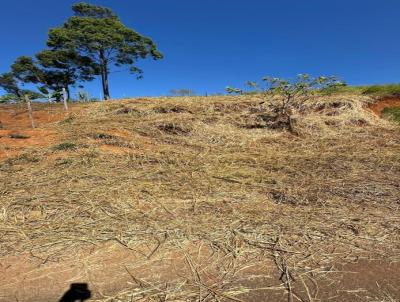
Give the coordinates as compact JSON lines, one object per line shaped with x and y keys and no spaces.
{"x":382,"y":104}
{"x":14,"y":120}
{"x":108,"y":269}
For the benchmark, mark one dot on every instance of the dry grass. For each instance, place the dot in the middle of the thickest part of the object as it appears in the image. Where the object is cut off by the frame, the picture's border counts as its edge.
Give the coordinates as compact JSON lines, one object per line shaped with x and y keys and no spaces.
{"x":183,"y":173}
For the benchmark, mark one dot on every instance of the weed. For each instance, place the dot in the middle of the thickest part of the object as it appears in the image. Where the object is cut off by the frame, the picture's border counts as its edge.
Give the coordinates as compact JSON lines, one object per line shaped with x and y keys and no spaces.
{"x":19,"y":136}
{"x":118,"y":143}
{"x":392,"y":114}
{"x":65,"y":146}
{"x":173,"y":109}
{"x":111,"y":140}
{"x":68,"y":120}
{"x":23,"y":158}
{"x":174,"y":129}
{"x":64,"y":162}
{"x":127,"y":110}
{"x":103,"y":136}
{"x":88,"y":157}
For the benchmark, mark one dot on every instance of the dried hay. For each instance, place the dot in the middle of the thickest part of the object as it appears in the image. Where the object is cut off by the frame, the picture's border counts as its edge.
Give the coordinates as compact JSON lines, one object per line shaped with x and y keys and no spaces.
{"x":198,"y":177}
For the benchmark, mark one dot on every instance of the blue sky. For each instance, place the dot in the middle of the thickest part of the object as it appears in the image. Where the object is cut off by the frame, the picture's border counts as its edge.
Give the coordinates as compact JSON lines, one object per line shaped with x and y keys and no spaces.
{"x":209,"y":44}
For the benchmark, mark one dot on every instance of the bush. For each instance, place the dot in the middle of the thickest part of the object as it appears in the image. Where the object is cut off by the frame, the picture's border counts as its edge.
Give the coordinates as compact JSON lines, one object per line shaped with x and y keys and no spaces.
{"x":284,"y":97}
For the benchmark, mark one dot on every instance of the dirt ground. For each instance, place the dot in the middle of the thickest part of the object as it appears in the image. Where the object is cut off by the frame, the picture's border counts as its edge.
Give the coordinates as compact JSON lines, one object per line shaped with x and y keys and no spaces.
{"x":179,"y":200}
{"x":389,"y":102}
{"x":14,"y":121}
{"x":112,"y":268}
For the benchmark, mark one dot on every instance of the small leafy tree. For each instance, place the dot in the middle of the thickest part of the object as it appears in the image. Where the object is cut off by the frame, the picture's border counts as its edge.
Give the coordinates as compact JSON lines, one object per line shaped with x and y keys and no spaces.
{"x":232,"y":90}
{"x":83,"y":96}
{"x":284,"y":97}
{"x":97,"y":33}
{"x":50,"y":95}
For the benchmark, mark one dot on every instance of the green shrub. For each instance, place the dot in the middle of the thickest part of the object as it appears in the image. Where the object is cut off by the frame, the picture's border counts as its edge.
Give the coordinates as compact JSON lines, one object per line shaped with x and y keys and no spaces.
{"x":284,"y":97}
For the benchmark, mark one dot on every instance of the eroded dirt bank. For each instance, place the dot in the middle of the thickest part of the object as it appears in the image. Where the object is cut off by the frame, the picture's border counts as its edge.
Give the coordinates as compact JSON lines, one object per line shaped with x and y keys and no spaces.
{"x":382,"y":104}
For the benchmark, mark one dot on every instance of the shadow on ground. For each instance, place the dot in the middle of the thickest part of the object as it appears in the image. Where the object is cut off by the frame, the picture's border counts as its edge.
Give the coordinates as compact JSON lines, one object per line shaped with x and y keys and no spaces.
{"x":78,"y":292}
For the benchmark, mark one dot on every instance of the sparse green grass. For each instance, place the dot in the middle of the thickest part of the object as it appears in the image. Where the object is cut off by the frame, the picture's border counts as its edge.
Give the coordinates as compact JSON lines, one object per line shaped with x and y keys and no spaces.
{"x":68,"y":120}
{"x":65,"y":146}
{"x":19,"y":136}
{"x":22,"y":159}
{"x":392,"y":114}
{"x":102,"y":136}
{"x":390,"y":89}
{"x":381,"y":90}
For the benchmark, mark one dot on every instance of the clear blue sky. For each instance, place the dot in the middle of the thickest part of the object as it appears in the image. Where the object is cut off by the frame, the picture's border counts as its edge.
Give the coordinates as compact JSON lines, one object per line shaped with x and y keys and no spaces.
{"x":209,"y":44}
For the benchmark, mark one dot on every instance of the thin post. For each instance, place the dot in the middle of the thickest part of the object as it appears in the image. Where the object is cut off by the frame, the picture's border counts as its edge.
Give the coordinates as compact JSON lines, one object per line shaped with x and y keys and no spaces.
{"x":28,"y":103}
{"x":65,"y":97}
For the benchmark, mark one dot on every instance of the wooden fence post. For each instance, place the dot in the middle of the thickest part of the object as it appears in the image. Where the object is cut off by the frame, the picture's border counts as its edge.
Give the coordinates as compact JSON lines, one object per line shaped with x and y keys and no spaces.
{"x":64,"y":92}
{"x":28,"y":103}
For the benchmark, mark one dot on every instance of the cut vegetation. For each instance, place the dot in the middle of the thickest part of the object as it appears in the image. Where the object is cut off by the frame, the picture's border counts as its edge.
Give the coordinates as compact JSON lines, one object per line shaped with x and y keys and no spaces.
{"x":200,"y":199}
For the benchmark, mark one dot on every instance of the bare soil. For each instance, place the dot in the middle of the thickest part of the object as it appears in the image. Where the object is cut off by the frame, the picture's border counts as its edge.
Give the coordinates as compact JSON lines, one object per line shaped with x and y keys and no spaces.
{"x":389,"y":102}
{"x":111,"y":268}
{"x":14,"y":120}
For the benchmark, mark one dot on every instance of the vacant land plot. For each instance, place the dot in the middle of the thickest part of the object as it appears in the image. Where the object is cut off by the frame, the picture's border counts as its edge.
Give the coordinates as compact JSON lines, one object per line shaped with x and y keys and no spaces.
{"x":198,"y":199}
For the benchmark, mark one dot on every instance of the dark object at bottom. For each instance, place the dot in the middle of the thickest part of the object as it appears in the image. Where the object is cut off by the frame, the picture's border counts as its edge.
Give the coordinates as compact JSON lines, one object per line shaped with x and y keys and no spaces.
{"x":77,"y":292}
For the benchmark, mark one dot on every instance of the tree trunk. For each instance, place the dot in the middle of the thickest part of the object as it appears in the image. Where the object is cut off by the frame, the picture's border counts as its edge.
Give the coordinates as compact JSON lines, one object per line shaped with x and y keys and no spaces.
{"x":106,"y":85}
{"x":68,"y":93}
{"x":104,"y":76}
{"x":28,"y":103}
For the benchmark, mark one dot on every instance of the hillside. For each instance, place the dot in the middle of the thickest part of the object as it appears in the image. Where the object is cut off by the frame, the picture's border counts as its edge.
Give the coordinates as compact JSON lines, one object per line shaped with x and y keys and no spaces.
{"x":201,"y":199}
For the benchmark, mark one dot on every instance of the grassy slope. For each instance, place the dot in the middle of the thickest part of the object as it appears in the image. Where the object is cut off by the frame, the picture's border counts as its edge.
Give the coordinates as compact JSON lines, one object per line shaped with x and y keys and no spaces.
{"x":375,"y":90}
{"x":203,"y":170}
